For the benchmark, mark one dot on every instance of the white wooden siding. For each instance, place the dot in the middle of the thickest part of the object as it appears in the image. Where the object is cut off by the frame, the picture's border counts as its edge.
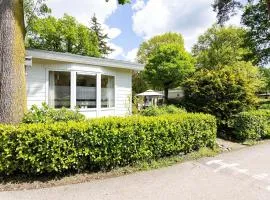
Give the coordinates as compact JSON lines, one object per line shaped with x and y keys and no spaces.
{"x":37,"y":86}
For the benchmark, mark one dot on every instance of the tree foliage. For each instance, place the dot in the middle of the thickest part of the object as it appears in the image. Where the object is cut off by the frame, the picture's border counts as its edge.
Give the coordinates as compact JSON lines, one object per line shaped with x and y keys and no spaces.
{"x":148,"y":48}
{"x":139,"y":84}
{"x":102,"y":37}
{"x":256,"y":19}
{"x":220,"y":46}
{"x":266,"y":74}
{"x":63,"y":35}
{"x":227,"y":8}
{"x":168,"y":67}
{"x":34,"y":9}
{"x":223,"y":92}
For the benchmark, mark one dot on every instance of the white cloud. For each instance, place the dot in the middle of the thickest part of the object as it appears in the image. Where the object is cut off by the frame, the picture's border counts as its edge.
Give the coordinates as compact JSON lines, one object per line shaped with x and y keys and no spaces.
{"x":191,"y":18}
{"x":83,"y":10}
{"x":131,"y":55}
{"x":138,"y":5}
{"x":112,"y":32}
{"x":118,"y":51}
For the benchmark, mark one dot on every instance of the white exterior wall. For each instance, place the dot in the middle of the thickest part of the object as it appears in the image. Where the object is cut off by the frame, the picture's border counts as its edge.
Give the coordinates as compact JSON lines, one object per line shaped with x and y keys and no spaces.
{"x":38,"y":86}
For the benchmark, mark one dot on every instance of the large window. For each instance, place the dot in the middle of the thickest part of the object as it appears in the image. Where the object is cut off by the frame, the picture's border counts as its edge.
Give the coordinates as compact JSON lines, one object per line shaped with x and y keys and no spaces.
{"x":86,"y":91}
{"x":107,"y":91}
{"x":59,"y":89}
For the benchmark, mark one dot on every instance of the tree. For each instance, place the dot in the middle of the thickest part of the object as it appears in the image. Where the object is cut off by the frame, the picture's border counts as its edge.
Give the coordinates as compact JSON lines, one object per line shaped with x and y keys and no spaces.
{"x":62,"y":35}
{"x":139,"y":85}
{"x":220,"y":46}
{"x":168,"y":67}
{"x":34,"y":9}
{"x":224,"y":92}
{"x":148,"y":48}
{"x":104,"y":48}
{"x":227,"y":8}
{"x":12,"y":54}
{"x":256,"y":19}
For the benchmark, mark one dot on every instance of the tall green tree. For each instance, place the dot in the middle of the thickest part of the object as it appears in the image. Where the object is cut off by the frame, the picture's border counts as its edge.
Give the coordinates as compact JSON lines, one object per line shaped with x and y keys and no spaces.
{"x":148,"y":48}
{"x":34,"y":9}
{"x":62,"y":35}
{"x":168,"y":67}
{"x":256,"y":19}
{"x":220,"y":46}
{"x":102,"y":37}
{"x":12,"y":55}
{"x":227,"y":8}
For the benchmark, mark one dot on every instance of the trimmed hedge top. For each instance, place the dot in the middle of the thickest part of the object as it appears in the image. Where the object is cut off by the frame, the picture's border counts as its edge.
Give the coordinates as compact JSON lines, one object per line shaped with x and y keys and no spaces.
{"x":101,"y":143}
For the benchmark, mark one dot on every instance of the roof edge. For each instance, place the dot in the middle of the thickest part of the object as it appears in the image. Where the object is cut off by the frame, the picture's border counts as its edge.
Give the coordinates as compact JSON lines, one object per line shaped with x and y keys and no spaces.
{"x":73,"y":58}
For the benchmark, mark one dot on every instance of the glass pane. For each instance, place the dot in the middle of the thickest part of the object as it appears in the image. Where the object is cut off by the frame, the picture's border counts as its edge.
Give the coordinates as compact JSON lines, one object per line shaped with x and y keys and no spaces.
{"x":107,"y":91}
{"x":59,"y":89}
{"x":86,"y":91}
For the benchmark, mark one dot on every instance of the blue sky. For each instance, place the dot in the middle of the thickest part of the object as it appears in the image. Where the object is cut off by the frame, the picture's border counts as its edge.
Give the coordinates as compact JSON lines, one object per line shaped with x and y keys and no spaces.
{"x":129,"y":25}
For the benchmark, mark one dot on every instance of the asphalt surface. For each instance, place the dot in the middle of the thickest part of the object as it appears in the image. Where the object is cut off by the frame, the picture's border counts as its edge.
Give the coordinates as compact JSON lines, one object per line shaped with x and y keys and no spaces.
{"x":240,"y":175}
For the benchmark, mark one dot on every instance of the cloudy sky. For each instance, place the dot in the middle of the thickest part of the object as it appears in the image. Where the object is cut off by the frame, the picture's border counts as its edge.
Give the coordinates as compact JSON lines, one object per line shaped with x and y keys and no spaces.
{"x":129,"y":25}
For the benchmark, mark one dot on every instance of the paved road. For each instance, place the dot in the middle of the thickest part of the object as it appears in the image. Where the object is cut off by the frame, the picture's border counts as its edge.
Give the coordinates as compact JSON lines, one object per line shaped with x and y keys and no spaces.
{"x":239,"y":175}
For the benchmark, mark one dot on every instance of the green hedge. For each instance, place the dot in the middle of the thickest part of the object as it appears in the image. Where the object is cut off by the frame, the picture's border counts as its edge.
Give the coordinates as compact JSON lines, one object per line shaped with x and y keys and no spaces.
{"x":161,"y":110}
{"x":101,"y":143}
{"x":252,"y":125}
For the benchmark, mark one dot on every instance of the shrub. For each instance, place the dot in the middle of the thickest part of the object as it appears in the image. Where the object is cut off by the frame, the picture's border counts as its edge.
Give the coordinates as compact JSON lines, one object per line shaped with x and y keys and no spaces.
{"x":224,"y":92}
{"x":162,"y":110}
{"x":252,"y":125}
{"x":45,"y":114}
{"x":101,"y":143}
{"x":264,"y":104}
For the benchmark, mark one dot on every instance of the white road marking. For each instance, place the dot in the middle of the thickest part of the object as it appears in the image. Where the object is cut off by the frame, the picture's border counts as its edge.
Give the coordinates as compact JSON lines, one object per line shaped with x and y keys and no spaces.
{"x":260,"y":176}
{"x":225,"y":165}
{"x":233,"y":166}
{"x":213,"y":162}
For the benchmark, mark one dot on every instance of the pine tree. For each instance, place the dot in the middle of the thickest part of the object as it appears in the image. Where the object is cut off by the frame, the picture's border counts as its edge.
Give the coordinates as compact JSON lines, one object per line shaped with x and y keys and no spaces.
{"x":104,"y":48}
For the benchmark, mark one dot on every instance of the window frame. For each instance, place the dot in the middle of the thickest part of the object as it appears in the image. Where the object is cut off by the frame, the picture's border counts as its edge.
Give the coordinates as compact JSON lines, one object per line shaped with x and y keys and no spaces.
{"x":114,"y":85}
{"x":73,"y":87}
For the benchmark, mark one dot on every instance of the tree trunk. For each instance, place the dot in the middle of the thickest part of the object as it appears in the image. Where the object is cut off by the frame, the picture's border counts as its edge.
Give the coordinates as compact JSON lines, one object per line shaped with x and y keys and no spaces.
{"x":268,"y":6}
{"x":12,"y":55}
{"x":166,"y":95}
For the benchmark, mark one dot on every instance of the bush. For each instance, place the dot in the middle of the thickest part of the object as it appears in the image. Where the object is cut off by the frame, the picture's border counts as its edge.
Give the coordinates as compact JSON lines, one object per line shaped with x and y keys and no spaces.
{"x":252,"y":125}
{"x":265,"y":104}
{"x":101,"y":143}
{"x":162,"y":110}
{"x":45,"y":114}
{"x":224,"y":92}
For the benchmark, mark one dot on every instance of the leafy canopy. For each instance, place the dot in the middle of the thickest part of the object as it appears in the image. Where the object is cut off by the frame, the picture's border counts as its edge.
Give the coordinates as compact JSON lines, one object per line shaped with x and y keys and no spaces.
{"x":148,"y":48}
{"x":168,"y":67}
{"x":257,"y":20}
{"x":220,"y":46}
{"x":62,"y":35}
{"x":227,"y":8}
